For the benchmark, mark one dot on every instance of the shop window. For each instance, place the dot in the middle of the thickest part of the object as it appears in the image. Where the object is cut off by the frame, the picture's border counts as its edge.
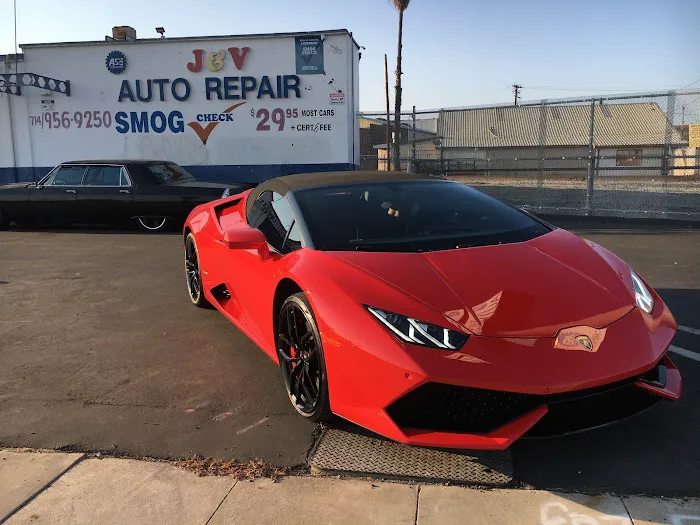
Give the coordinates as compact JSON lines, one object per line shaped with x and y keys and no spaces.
{"x":628,"y":157}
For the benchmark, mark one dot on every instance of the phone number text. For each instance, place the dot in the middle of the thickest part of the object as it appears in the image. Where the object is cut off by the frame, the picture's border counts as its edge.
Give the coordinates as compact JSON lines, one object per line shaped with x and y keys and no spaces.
{"x":66,"y":119}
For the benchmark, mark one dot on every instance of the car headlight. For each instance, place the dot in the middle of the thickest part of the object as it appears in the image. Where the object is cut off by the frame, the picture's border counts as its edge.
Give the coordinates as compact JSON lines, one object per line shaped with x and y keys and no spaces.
{"x":226,"y":193}
{"x":641,"y":293}
{"x":417,"y":332}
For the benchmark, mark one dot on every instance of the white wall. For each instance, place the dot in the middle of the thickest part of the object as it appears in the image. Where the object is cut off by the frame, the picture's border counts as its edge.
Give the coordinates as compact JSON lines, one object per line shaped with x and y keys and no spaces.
{"x":321,"y":140}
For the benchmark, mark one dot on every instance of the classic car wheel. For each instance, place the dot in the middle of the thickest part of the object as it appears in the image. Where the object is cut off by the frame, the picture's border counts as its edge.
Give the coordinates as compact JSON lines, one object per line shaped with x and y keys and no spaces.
{"x":192,"y":273}
{"x":153,"y":224}
{"x":301,"y":359}
{"x":4,"y":220}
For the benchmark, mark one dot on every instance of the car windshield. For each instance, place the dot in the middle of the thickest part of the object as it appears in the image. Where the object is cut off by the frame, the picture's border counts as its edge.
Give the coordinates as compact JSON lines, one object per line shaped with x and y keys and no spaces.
{"x":410,"y":216}
{"x":169,"y":173}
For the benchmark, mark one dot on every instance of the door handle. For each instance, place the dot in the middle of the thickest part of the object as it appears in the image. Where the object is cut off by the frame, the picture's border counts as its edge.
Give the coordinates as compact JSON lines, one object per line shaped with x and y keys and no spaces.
{"x":124,"y":191}
{"x":70,"y":191}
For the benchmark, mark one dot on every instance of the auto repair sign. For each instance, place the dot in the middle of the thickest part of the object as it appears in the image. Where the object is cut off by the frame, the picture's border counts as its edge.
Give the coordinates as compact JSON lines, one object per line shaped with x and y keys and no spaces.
{"x":267,"y":100}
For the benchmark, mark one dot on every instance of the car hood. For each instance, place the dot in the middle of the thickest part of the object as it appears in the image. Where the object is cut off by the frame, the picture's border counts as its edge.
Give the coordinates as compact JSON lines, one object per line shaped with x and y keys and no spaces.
{"x":529,"y":289}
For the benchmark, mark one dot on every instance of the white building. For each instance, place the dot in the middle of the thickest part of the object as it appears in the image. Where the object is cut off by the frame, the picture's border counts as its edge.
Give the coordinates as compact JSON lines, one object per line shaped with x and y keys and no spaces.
{"x":230,"y":108}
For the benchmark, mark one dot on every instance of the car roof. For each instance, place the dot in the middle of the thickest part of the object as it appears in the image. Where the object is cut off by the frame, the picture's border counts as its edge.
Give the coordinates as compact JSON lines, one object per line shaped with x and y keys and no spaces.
{"x":302,"y":181}
{"x":116,"y":161}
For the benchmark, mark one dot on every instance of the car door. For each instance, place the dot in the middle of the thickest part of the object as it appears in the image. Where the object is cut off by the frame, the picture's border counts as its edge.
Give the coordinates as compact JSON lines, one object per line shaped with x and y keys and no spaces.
{"x":54,"y":200}
{"x":168,"y":190}
{"x":253,"y":282}
{"x":106,"y":195}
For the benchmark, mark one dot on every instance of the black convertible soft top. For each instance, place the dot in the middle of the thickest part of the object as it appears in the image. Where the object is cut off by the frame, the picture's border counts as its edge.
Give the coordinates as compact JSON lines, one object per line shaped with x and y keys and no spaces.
{"x":283,"y":185}
{"x":331,"y":178}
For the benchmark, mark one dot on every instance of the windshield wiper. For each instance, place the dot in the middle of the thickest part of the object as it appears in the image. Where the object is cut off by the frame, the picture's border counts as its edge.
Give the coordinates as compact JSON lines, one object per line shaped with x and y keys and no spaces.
{"x":366,"y":248}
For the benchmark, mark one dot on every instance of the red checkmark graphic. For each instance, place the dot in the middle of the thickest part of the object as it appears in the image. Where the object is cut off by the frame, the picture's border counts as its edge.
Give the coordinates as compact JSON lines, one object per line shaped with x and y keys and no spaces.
{"x":204,"y":132}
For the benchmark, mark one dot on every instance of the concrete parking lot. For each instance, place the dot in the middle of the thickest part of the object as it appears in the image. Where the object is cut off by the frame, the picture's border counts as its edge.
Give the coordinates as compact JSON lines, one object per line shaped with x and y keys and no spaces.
{"x":101,"y":351}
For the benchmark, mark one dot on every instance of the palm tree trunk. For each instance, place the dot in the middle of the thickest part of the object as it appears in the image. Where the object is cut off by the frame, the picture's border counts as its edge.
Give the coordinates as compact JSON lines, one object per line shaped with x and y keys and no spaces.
{"x":397,"y":99}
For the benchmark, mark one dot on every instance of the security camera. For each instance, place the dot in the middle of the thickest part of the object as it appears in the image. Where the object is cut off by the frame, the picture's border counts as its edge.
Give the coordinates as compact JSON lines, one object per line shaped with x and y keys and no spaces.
{"x":323,"y":38}
{"x":161,"y":31}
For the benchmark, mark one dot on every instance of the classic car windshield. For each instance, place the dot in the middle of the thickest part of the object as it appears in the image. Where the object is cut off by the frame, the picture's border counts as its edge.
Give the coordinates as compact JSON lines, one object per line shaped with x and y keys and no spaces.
{"x":168,"y":173}
{"x":410,"y":216}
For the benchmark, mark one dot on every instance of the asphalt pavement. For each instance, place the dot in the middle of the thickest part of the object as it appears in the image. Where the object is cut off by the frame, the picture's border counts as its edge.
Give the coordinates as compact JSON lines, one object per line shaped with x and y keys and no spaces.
{"x":101,"y":351}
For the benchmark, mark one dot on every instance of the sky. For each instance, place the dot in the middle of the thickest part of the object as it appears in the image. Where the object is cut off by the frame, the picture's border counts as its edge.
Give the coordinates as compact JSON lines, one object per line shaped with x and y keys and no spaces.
{"x":456,"y":52}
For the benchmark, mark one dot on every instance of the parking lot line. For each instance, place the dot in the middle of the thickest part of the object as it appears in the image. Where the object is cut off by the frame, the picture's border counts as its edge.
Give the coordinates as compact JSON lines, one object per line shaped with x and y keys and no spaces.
{"x":684,"y":352}
{"x":693,"y":331}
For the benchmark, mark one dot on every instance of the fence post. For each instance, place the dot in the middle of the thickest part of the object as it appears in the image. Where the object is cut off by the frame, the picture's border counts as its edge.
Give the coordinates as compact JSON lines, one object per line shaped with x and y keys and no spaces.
{"x":665,"y":161}
{"x":668,"y":135}
{"x":413,"y":142}
{"x":443,"y":172}
{"x":542,"y":148}
{"x":591,"y":161}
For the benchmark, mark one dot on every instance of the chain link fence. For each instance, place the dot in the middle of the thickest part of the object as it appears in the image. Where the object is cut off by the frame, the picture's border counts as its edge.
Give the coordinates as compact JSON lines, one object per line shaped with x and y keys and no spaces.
{"x":632,"y":155}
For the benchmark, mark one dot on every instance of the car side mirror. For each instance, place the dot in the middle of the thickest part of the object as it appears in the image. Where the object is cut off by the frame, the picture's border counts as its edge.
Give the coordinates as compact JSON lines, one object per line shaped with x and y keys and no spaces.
{"x":246,"y":239}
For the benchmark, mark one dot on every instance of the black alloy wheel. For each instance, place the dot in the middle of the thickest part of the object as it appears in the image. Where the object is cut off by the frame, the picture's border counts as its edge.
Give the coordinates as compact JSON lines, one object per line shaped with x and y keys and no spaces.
{"x":301,"y":359}
{"x":192,"y":273}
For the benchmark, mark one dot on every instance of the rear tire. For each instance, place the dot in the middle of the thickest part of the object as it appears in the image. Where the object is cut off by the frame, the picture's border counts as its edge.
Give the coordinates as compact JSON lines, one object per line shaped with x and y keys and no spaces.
{"x":193,"y":275}
{"x":301,"y":358}
{"x":153,"y":224}
{"x":4,"y":221}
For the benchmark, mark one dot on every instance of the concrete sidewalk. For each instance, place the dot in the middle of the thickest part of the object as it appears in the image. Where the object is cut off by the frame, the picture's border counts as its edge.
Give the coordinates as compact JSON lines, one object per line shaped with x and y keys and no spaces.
{"x":56,"y":488}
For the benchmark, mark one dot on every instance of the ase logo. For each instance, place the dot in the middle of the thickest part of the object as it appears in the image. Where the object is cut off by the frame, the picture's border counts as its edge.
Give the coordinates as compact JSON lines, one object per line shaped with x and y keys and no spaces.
{"x":116,"y":62}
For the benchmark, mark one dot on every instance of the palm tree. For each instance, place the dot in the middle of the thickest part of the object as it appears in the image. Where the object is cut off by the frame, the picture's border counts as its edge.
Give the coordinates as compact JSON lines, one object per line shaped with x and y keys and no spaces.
{"x":401,"y":6}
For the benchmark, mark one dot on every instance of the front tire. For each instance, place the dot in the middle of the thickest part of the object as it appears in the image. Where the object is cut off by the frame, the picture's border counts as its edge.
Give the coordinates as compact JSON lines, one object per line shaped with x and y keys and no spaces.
{"x":193,"y":275}
{"x":301,"y":358}
{"x":153,"y":224}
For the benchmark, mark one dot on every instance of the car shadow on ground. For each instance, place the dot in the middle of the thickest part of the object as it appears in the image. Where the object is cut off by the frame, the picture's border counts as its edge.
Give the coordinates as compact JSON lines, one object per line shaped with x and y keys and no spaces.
{"x":653,"y":453}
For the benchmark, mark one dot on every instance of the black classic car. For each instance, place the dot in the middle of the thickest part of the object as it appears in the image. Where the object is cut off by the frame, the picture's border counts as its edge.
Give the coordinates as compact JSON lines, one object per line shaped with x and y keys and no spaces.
{"x":155,"y":194}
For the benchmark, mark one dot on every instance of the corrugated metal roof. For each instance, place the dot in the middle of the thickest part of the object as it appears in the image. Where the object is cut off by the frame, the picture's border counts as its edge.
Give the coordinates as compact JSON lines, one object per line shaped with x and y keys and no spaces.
{"x":636,"y":124}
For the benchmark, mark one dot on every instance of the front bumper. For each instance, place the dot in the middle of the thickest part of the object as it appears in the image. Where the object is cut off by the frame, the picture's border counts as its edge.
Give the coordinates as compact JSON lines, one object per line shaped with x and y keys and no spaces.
{"x":494,"y":390}
{"x":437,"y":414}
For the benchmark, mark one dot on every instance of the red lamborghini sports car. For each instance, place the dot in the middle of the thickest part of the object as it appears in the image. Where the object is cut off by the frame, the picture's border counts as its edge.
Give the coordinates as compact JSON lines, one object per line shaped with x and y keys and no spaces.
{"x":429,"y":312}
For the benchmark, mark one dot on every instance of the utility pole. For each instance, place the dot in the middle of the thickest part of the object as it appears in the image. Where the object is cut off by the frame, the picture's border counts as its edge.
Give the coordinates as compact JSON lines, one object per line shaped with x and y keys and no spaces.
{"x":413,"y":142}
{"x":388,"y":130}
{"x":516,"y":91}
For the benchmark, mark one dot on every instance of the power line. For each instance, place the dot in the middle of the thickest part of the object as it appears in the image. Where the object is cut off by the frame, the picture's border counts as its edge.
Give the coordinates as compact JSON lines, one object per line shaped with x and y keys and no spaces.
{"x":695,"y":82}
{"x":630,"y":90}
{"x":615,"y":90}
